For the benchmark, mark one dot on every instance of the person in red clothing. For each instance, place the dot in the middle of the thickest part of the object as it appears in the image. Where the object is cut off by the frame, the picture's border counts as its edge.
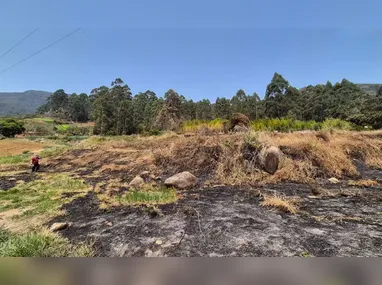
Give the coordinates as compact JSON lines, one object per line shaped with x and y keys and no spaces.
{"x":35,"y":163}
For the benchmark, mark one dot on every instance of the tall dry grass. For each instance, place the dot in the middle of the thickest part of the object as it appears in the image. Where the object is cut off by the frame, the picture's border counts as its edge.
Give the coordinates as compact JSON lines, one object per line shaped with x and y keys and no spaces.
{"x":306,"y":156}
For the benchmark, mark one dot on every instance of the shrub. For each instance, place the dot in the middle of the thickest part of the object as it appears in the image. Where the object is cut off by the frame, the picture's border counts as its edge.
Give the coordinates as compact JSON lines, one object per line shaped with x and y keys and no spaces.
{"x":74,"y":130}
{"x":10,"y":127}
{"x":216,"y":125}
{"x":40,"y":127}
{"x":337,"y":124}
{"x":284,"y":125}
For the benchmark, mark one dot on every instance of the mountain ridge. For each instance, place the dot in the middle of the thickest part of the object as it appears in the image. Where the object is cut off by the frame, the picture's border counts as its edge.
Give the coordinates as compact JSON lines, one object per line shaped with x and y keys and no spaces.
{"x":21,"y":103}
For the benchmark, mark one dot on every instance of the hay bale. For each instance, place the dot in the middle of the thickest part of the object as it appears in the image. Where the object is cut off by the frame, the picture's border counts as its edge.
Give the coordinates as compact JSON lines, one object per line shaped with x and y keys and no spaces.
{"x":239,"y":119}
{"x":269,"y":159}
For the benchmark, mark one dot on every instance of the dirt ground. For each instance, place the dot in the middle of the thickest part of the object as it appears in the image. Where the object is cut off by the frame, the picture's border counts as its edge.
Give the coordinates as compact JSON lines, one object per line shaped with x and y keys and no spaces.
{"x":8,"y":147}
{"x":224,"y":221}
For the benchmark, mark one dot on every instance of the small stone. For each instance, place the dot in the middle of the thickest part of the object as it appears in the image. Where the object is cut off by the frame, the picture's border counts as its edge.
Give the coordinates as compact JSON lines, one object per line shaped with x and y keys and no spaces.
{"x":109,"y":224}
{"x":58,"y":226}
{"x":334,"y":180}
{"x":136,"y":182}
{"x":12,"y":179}
{"x":158,"y":242}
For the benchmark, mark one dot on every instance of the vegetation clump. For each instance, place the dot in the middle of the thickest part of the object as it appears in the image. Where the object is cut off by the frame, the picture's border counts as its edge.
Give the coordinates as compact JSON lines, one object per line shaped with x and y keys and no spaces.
{"x":11,"y":127}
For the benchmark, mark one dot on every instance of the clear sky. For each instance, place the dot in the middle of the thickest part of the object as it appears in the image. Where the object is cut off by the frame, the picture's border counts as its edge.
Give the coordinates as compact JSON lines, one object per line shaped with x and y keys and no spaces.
{"x":202,"y":49}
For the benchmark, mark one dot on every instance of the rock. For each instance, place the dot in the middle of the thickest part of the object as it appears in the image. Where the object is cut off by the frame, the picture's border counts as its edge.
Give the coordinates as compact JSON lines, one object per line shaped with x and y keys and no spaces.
{"x":136,"y":182}
{"x":12,"y":179}
{"x":182,"y":180}
{"x":58,"y":226}
{"x":109,"y":224}
{"x":270,"y":159}
{"x":145,"y":174}
{"x":334,"y":180}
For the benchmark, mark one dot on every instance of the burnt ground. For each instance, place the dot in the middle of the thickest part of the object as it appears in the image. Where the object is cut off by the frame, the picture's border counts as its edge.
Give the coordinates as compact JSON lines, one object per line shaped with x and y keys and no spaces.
{"x":8,"y":182}
{"x":224,"y":221}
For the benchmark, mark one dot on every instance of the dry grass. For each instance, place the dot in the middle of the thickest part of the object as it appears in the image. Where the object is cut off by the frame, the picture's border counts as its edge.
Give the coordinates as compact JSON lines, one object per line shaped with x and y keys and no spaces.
{"x":280,"y":203}
{"x":196,"y":154}
{"x":363,"y":183}
{"x":306,"y":156}
{"x":18,"y":146}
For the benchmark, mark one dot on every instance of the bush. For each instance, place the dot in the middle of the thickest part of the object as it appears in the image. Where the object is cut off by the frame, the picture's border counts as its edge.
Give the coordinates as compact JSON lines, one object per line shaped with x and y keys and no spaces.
{"x":337,"y":124}
{"x":74,"y":130}
{"x":10,"y":127}
{"x":284,"y":125}
{"x":40,"y":127}
{"x":216,"y":125}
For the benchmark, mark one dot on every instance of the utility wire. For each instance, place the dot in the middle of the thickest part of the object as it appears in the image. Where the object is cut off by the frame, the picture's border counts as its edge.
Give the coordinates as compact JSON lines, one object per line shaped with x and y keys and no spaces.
{"x":41,"y":50}
{"x":27,"y":36}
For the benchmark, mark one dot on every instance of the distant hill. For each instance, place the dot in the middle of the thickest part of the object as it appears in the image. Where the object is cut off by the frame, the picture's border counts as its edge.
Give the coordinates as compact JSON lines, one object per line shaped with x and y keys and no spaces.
{"x":21,"y":103}
{"x":370,"y":88}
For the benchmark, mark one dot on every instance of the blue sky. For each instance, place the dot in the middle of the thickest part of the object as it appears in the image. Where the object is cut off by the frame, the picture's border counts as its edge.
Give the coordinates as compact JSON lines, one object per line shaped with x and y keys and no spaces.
{"x":202,"y":49}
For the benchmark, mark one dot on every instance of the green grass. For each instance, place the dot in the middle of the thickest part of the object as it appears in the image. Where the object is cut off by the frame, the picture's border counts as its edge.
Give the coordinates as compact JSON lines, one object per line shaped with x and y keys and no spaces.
{"x":53,"y":151}
{"x":145,"y":195}
{"x":42,"y":197}
{"x":62,"y":128}
{"x":158,"y":196}
{"x":26,"y":156}
{"x":15,"y":159}
{"x":38,"y":245}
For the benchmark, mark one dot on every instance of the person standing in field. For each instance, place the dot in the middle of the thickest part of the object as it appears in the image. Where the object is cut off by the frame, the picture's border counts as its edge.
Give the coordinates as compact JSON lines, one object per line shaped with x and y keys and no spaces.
{"x":35,"y":162}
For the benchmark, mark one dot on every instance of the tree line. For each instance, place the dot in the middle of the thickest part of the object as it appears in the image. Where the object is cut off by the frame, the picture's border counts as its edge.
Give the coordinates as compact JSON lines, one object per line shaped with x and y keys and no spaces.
{"x":116,"y":111}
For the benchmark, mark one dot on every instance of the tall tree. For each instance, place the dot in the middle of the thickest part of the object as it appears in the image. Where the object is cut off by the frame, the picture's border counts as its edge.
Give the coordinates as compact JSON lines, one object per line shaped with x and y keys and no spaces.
{"x":274,"y":96}
{"x":239,"y":102}
{"x":188,"y":108}
{"x":204,"y":110}
{"x":253,"y":106}
{"x":223,"y":108}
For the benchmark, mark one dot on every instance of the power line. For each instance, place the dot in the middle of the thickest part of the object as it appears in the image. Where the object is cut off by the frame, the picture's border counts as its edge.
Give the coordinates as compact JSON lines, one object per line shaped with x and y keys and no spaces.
{"x":41,"y":50}
{"x":27,"y":36}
